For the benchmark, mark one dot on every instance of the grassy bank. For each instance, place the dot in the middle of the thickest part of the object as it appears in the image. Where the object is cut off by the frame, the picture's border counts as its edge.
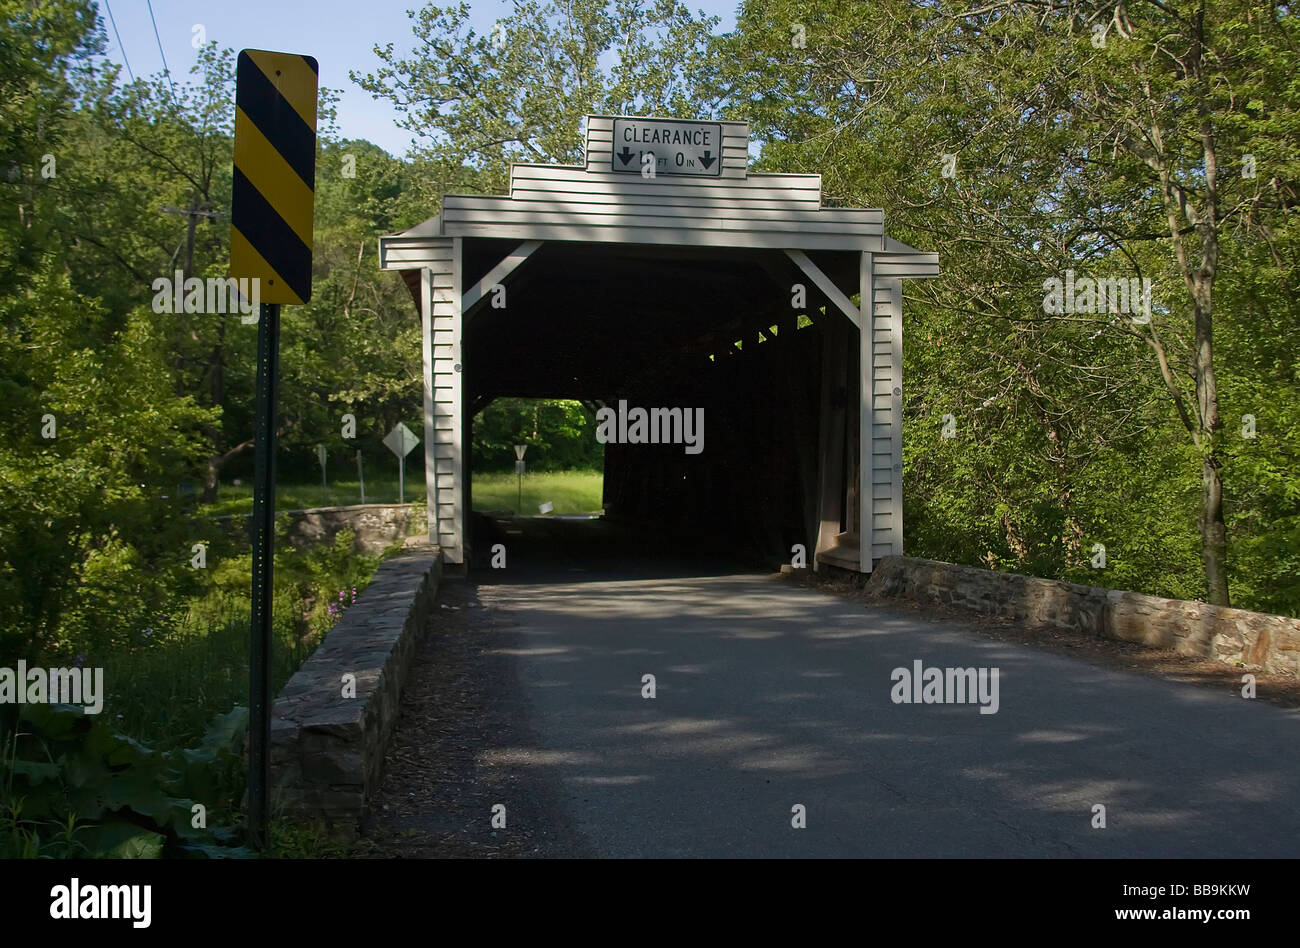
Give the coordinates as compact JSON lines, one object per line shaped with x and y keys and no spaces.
{"x":171,"y":732}
{"x":238,"y":498}
{"x":572,"y":492}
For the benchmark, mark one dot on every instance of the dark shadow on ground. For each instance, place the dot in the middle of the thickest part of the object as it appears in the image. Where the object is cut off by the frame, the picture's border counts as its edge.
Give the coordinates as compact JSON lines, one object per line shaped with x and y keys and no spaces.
{"x":547,"y":549}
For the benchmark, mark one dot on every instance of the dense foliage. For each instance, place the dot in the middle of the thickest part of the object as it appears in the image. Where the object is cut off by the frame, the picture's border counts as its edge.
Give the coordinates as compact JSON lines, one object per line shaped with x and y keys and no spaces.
{"x":1023,"y":141}
{"x":560,"y":435}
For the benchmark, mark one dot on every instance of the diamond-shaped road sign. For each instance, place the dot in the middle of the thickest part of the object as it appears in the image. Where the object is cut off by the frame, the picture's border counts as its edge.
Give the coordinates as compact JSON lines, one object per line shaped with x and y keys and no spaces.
{"x":401,"y":440}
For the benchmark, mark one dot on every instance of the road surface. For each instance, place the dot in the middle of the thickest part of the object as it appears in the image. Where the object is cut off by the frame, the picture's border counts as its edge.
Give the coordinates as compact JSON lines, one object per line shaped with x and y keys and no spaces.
{"x":770,"y":696}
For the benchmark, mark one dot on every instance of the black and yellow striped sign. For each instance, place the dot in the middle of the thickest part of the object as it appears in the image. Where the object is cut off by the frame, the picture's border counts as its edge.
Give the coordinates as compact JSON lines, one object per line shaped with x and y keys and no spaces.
{"x":275,"y":173}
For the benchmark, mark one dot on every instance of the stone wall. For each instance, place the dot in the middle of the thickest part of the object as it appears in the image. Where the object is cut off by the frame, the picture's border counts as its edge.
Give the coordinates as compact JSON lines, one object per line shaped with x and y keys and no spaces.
{"x":377,"y":526}
{"x":327,"y":747}
{"x":1260,"y":642}
{"x":1257,"y":640}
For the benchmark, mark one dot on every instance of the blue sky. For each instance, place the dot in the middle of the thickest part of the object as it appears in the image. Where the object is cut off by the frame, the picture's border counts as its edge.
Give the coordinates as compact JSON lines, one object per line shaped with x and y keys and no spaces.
{"x":341,"y":34}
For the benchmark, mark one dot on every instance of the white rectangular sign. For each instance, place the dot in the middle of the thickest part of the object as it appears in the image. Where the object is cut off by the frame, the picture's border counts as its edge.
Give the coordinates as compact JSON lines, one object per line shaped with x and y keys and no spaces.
{"x":679,"y":148}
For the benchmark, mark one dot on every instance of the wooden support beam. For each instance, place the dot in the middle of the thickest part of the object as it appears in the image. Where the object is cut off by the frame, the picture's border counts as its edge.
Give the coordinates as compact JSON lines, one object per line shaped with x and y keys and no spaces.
{"x":479,"y":290}
{"x":830,"y":439}
{"x":823,"y":283}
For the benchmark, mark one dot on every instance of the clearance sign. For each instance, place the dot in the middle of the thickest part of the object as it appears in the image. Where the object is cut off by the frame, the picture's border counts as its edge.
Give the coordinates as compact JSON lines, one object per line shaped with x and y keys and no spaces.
{"x":275,"y":173}
{"x":679,"y":148}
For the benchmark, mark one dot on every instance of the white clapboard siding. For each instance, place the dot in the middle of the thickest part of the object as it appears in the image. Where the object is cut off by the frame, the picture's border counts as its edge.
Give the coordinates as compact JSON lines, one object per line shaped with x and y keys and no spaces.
{"x":886,"y":441}
{"x":443,"y":446}
{"x":902,"y":261}
{"x":656,"y":196}
{"x":574,"y":177}
{"x":913,"y":266}
{"x":623,"y":216}
{"x":672,"y":236}
{"x":475,"y":208}
{"x":400,"y":252}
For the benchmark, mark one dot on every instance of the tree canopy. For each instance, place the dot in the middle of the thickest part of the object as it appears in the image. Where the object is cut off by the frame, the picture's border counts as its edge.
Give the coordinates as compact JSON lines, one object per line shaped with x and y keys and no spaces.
{"x":1149,"y":140}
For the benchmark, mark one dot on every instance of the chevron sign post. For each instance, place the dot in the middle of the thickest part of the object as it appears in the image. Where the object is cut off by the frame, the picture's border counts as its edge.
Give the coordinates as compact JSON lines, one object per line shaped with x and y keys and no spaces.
{"x":270,"y":242}
{"x":275,"y":173}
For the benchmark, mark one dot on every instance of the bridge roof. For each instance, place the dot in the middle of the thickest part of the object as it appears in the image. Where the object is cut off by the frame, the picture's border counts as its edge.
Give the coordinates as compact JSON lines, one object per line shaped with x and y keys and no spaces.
{"x":592,"y":203}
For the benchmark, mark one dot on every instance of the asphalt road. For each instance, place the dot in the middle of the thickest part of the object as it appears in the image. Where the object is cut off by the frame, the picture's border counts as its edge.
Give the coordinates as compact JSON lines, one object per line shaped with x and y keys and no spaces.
{"x":770,"y":696}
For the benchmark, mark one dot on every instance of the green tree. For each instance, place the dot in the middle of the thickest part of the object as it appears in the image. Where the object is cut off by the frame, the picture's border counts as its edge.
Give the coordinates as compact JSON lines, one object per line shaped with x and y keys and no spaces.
{"x":86,"y":555}
{"x":520,"y":91}
{"x":41,"y":45}
{"x":560,"y":435}
{"x":1023,"y":140}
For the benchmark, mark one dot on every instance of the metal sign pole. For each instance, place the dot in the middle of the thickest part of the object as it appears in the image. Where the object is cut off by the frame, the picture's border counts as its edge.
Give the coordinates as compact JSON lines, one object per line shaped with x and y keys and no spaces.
{"x":259,"y":659}
{"x":520,"y":450}
{"x":400,"y":441}
{"x":272,"y":199}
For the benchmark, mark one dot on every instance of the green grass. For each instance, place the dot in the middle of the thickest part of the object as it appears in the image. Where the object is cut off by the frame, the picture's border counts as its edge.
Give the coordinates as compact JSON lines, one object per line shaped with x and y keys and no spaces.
{"x":572,"y":492}
{"x":167,"y":690}
{"x":167,"y":695}
{"x":238,"y":499}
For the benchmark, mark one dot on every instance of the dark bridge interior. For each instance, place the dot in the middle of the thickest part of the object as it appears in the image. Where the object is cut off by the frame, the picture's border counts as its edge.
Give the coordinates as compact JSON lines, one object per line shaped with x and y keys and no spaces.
{"x":658,"y":327}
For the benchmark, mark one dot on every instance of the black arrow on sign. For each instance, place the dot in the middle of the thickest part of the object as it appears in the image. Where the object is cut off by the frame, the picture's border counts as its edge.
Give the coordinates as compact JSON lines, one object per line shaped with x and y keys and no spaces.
{"x":707,"y":160}
{"x":626,"y":154}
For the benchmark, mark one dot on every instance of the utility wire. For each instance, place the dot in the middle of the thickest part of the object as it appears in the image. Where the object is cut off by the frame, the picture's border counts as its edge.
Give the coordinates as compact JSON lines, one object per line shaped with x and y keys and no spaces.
{"x":119,"y":41}
{"x":166,"y":71}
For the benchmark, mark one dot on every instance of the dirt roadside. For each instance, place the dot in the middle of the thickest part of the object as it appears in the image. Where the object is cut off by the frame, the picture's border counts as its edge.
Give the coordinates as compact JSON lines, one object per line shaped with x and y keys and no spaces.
{"x":462,"y":745}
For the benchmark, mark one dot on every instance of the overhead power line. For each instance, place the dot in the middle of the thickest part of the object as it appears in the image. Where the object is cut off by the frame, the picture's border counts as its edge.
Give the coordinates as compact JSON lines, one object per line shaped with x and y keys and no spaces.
{"x":119,"y":40}
{"x":166,"y":72}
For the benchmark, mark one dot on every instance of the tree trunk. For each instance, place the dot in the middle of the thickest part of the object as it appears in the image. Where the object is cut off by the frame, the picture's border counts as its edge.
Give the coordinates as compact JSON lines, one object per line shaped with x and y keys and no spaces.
{"x":217,"y":435}
{"x":1214,"y":532}
{"x":217,"y":462}
{"x":211,"y":481}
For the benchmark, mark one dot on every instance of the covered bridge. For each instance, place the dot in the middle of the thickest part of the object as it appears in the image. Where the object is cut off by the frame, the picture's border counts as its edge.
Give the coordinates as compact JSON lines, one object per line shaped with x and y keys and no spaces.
{"x":662,"y":274}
